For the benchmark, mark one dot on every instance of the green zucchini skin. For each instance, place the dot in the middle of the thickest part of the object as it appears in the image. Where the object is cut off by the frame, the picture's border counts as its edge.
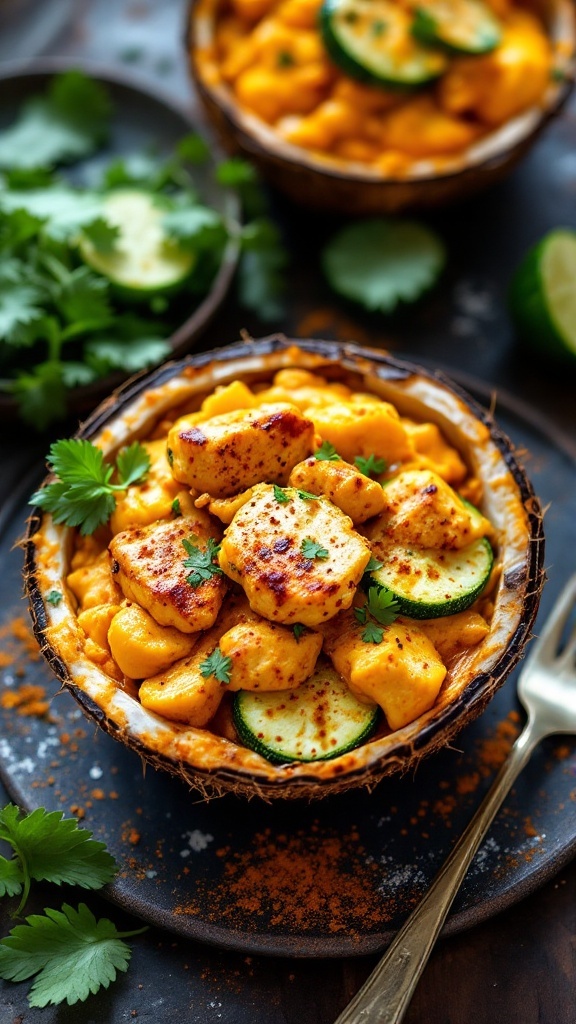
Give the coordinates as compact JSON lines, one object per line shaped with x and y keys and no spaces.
{"x":364,"y":56}
{"x":471,"y":566}
{"x":317,"y":721}
{"x":478,"y":32}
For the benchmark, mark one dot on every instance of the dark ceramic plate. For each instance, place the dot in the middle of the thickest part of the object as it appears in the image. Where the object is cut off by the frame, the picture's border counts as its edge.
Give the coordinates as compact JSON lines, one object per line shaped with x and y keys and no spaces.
{"x":335,"y":878}
{"x":142,"y":120}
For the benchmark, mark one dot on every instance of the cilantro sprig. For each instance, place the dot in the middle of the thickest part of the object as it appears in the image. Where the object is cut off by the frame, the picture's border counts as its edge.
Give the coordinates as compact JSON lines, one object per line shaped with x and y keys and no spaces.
{"x":201,"y":561}
{"x":69,"y":952}
{"x":311,"y":549}
{"x":218,"y":665}
{"x":83,"y":494}
{"x":370,"y":465}
{"x":326,"y":453}
{"x":380,"y":609}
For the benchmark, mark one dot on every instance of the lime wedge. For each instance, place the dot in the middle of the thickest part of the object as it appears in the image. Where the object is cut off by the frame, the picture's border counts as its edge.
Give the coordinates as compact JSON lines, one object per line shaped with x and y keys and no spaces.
{"x":543,"y":294}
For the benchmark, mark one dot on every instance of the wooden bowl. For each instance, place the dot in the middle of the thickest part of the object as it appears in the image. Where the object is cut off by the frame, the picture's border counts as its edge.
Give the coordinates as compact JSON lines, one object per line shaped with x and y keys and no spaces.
{"x":331,"y":184}
{"x":213,"y":764}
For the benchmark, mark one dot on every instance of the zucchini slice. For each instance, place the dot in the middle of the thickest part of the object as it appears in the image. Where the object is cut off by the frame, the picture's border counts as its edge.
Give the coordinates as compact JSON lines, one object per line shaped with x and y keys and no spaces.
{"x":318,"y":720}
{"x":372,"y":40}
{"x":427,"y":584}
{"x":462,"y":26}
{"x":144,"y":261}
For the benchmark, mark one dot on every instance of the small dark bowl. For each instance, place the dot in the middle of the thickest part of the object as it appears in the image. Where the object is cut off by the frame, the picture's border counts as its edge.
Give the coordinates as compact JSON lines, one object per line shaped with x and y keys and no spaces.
{"x":140,"y":117}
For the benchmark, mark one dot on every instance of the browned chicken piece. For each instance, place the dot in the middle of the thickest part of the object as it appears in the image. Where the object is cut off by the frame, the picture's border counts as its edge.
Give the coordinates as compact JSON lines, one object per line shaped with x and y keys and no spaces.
{"x":228,"y":453}
{"x":355,"y":494}
{"x":149,"y":564}
{"x":298,"y":559}
{"x":423,"y":510}
{"x":266,"y":656}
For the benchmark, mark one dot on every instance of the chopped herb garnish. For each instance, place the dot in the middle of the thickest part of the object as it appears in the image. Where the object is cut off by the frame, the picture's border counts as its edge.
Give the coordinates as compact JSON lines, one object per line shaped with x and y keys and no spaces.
{"x":201,"y":560}
{"x":176,"y":510}
{"x":54,"y":597}
{"x":373,"y":564}
{"x":285,"y":59}
{"x":382,"y":605}
{"x":83,"y":494}
{"x":373,"y":634}
{"x":379,"y":28}
{"x":217,"y":665}
{"x":298,"y":629}
{"x":306,"y":496}
{"x":371,"y":465}
{"x":310,"y":549}
{"x":170,"y":457}
{"x":327,"y":453}
{"x":280,"y":495}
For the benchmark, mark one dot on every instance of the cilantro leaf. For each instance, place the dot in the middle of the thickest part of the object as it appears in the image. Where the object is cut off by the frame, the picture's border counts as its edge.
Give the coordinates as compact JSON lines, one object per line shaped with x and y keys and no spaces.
{"x":298,"y":629}
{"x":19,"y":304}
{"x":373,"y":634}
{"x":132,"y":464}
{"x":361,"y":615}
{"x":382,"y":605}
{"x":236,"y":172}
{"x":41,"y":394}
{"x":371,"y":465}
{"x":201,"y":561}
{"x":82,"y":297}
{"x":54,"y":597}
{"x":51,"y":848}
{"x":11,"y":877}
{"x":310,"y":549}
{"x":70,"y":952}
{"x":380,"y":263}
{"x":193,"y":148}
{"x":217,"y":665}
{"x":102,"y":235}
{"x":63,"y":210}
{"x":175,"y":507}
{"x":373,"y":564}
{"x":326,"y":453}
{"x":307,"y":496}
{"x":68,"y":123}
{"x":83,"y":495}
{"x":280,"y":494}
{"x":195,"y":227}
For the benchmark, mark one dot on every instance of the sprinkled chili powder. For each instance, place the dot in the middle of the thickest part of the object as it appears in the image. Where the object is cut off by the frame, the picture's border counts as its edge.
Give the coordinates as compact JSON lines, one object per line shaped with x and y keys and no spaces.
{"x":306,"y":882}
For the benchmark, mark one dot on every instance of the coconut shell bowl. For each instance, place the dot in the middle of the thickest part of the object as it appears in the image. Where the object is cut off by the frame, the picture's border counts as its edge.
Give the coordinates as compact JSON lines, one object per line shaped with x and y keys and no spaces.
{"x":293,"y":88}
{"x":213,"y":757}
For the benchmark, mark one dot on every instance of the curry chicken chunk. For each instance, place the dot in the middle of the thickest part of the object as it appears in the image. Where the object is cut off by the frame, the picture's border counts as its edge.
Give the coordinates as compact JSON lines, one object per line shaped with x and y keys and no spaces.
{"x":254,"y":563}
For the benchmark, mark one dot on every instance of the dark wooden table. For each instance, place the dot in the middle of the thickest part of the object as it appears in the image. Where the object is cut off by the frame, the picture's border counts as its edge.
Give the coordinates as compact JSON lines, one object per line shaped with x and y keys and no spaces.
{"x":520,"y":967}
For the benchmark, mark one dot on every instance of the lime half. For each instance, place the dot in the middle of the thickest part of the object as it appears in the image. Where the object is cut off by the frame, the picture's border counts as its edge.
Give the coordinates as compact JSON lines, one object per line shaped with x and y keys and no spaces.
{"x":543,"y":294}
{"x":144,"y":261}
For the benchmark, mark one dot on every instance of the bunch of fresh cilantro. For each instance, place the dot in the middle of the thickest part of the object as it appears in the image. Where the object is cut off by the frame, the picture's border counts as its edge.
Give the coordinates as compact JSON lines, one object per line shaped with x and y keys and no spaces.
{"x":69,"y":952}
{"x":61,"y":323}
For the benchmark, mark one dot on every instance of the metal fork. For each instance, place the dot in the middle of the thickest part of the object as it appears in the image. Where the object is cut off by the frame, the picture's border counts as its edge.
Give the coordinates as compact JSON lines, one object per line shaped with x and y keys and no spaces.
{"x":547,"y":689}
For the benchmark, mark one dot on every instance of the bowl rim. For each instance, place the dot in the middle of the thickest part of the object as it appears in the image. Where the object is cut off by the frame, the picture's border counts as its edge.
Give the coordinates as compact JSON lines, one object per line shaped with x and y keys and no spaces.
{"x":85,"y":395}
{"x":406,"y":745}
{"x":487,"y":153}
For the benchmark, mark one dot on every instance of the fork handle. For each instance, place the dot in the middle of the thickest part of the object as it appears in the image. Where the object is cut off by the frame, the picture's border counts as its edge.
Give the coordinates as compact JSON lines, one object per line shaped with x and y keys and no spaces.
{"x":384,"y":997}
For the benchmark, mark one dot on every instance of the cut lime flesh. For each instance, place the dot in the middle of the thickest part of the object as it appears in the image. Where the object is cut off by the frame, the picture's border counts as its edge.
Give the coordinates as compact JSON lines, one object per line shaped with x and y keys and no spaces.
{"x":559,"y":282}
{"x":144,"y":259}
